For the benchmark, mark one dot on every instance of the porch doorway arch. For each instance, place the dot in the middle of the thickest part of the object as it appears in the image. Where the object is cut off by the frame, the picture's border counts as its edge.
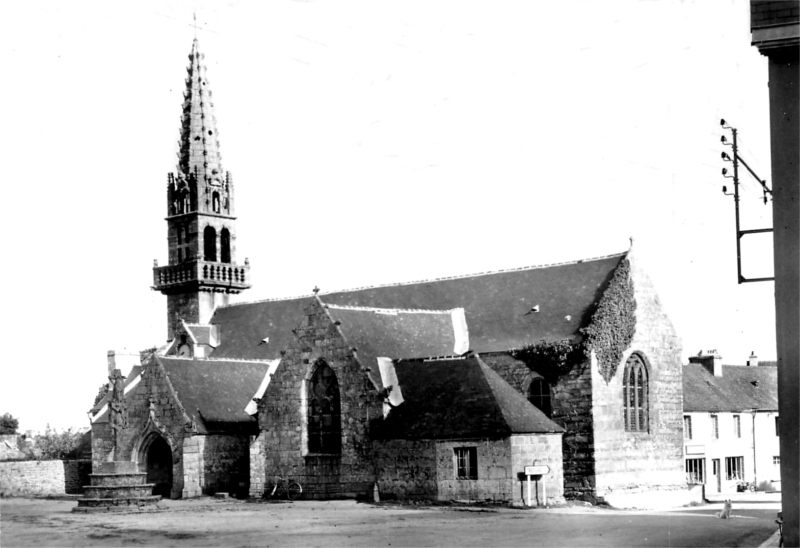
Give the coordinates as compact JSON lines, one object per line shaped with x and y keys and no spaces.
{"x":156,"y":456}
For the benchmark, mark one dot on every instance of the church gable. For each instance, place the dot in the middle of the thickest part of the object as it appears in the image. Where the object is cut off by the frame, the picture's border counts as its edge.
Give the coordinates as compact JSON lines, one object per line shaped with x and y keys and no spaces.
{"x":316,"y":413}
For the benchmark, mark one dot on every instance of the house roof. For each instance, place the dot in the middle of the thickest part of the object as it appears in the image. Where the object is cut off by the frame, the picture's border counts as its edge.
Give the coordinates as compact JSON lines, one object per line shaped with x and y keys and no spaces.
{"x":497,"y":307}
{"x":457,"y":399}
{"x":215,"y":391}
{"x":395,"y":333}
{"x":740,"y":388}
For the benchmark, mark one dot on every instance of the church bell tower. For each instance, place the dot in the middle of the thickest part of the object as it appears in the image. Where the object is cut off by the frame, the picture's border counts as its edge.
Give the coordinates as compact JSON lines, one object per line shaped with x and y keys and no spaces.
{"x":202,"y":272}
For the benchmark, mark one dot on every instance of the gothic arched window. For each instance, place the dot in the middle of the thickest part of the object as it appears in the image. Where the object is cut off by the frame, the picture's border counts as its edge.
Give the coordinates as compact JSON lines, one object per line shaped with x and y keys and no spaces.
{"x":539,"y":395}
{"x":634,"y":394}
{"x":324,"y":411}
{"x":210,"y":244}
{"x":225,"y":245}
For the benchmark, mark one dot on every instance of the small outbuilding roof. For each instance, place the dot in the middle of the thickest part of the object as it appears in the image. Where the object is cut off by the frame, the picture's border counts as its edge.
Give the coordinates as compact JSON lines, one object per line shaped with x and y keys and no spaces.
{"x":740,"y":388}
{"x":459,"y":399}
{"x":215,"y":391}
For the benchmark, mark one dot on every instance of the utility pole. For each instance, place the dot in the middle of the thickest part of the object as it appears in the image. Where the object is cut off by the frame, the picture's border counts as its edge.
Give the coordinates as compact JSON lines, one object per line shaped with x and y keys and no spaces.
{"x":739,"y":232}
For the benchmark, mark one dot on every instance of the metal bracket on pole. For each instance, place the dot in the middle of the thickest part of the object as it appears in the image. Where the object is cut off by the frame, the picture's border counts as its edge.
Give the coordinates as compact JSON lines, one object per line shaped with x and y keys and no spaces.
{"x":739,"y":232}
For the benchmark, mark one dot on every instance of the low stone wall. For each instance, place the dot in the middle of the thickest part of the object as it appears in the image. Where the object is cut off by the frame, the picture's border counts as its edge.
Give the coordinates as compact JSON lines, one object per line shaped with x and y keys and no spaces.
{"x":661,"y":499}
{"x":39,"y":477}
{"x":44,"y":477}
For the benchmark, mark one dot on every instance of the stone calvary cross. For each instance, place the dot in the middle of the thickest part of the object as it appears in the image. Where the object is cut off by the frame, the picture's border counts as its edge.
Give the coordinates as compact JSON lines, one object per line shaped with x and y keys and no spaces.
{"x":117,"y":411}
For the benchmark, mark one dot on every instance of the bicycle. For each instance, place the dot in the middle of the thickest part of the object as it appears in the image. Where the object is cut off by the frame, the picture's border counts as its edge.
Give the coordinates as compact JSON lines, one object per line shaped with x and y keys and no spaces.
{"x":291,"y":488}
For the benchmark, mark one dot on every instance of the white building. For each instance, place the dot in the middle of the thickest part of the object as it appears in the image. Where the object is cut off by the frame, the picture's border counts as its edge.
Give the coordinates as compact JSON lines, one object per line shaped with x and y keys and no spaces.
{"x":730,"y":424}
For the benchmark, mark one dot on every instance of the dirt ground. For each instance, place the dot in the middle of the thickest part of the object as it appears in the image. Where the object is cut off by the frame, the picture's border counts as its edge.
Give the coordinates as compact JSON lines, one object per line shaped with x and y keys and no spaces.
{"x":213,"y":522}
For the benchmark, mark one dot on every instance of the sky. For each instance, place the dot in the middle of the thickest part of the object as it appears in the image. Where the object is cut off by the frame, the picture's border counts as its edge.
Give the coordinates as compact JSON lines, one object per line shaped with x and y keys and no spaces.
{"x":372,"y":142}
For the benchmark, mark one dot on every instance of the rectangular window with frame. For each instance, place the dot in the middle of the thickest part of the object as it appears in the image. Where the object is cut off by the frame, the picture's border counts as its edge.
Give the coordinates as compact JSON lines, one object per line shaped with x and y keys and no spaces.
{"x":687,"y":427}
{"x":696,"y":470}
{"x":777,"y":426}
{"x":466,"y":461}
{"x":776,"y":463}
{"x":737,"y":426}
{"x":715,"y":427}
{"x":734,"y":468}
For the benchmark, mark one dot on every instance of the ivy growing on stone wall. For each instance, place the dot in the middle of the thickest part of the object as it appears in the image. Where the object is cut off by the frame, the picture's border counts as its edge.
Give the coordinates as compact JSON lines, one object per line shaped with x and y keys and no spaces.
{"x":613,"y":323}
{"x":609,"y":334}
{"x":551,"y":359}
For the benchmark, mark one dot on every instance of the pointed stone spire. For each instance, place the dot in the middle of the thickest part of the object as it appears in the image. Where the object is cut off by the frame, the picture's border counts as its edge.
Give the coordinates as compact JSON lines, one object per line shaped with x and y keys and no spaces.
{"x":199,"y":145}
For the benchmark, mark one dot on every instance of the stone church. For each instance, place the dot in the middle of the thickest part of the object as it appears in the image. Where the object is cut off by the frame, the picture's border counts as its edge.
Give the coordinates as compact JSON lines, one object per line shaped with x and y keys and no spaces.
{"x":437,"y":389}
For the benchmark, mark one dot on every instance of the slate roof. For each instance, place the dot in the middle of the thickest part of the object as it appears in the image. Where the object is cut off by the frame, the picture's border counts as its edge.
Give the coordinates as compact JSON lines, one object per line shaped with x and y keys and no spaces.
{"x":459,"y":399}
{"x":734,"y":391}
{"x":215,"y":391}
{"x":395,"y":333}
{"x":244,"y":326}
{"x":496,"y":306}
{"x":497,"y":303}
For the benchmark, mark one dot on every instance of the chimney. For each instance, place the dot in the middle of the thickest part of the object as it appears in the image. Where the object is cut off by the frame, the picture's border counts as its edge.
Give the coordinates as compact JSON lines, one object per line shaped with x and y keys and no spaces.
{"x":124,"y":360}
{"x":710,"y":359}
{"x":752,"y":361}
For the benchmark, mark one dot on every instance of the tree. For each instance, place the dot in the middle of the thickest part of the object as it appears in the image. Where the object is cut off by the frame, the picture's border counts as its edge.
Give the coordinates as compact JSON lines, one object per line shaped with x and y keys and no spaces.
{"x":54,"y":445}
{"x":101,"y":393}
{"x":8,"y":424}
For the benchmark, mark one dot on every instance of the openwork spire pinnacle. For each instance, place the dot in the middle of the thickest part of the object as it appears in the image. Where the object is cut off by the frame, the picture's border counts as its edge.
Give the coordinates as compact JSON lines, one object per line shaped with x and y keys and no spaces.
{"x":199,"y":144}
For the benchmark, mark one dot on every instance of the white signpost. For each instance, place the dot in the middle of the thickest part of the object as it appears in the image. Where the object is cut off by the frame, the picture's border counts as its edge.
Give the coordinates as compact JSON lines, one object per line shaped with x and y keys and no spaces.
{"x":537,"y":470}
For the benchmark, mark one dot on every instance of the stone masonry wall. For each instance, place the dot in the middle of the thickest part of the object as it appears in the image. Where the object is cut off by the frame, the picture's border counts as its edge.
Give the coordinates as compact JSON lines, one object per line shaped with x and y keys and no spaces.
{"x":76,"y":475}
{"x":183,"y":305}
{"x":258,"y":466}
{"x":38,"y":477}
{"x":226,"y":461}
{"x":496,"y":480}
{"x":193,"y":466}
{"x":571,"y":400}
{"x":282,"y":413}
{"x":530,"y":449}
{"x":642,"y":460}
{"x":406,"y":469}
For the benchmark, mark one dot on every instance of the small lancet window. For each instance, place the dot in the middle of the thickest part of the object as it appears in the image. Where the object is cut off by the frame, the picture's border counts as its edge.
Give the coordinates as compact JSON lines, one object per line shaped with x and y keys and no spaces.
{"x":215,"y":202}
{"x":225,"y":245}
{"x":210,"y":244}
{"x":634,"y":394}
{"x":539,"y":396}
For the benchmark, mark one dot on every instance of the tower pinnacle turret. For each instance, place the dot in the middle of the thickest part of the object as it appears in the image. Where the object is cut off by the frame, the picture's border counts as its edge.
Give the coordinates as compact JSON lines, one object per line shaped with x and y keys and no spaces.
{"x":199,"y":144}
{"x":202,"y":270}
